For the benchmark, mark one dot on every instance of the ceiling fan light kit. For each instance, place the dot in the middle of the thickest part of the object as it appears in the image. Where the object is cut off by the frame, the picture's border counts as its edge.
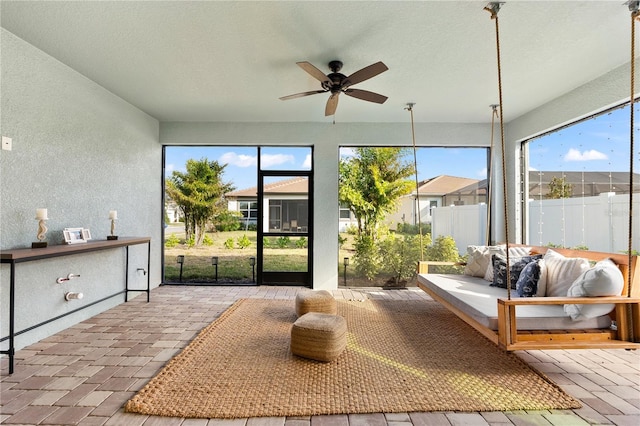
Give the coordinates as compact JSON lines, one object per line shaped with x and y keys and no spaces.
{"x":337,"y":83}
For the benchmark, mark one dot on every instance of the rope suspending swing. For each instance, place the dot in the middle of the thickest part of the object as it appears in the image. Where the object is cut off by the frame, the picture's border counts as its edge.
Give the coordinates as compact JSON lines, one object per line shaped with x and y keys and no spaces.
{"x":634,"y":8}
{"x":494,"y":114}
{"x":493,"y":8}
{"x":415,"y":168}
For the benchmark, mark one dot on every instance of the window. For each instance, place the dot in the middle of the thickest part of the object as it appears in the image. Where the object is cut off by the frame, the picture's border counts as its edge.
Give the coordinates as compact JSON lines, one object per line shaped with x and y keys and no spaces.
{"x":576,"y":184}
{"x":249,"y":210}
{"x":345,"y":213}
{"x":432,"y":205}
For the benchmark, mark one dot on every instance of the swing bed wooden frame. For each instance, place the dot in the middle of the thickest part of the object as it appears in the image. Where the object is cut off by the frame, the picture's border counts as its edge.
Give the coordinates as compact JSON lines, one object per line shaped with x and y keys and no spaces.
{"x":626,"y":313}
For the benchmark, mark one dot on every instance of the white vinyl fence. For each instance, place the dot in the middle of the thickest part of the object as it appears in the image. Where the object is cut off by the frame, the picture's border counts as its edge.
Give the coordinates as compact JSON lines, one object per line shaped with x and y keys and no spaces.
{"x":599,"y":223}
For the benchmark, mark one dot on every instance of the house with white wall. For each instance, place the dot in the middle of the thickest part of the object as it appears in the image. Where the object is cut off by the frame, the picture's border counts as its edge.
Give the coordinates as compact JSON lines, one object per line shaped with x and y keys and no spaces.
{"x":432,"y":193}
{"x":285,"y":205}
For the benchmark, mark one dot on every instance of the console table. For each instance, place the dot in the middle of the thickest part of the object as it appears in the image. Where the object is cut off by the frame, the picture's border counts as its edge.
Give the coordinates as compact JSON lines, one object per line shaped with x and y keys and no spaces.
{"x":15,"y":256}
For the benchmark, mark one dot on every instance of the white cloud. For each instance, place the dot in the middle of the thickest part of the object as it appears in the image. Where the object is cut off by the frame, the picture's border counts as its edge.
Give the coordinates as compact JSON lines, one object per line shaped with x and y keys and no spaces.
{"x":274,"y":160}
{"x":238,"y":160}
{"x":169,"y":168}
{"x":575,"y":155}
{"x":482,"y":173}
{"x":307,"y":162}
{"x":531,"y":169}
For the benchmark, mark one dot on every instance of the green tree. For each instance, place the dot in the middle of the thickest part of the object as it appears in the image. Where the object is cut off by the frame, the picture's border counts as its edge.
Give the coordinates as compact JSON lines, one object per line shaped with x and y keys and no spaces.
{"x":559,"y":188}
{"x":199,"y":193}
{"x":371,"y":184}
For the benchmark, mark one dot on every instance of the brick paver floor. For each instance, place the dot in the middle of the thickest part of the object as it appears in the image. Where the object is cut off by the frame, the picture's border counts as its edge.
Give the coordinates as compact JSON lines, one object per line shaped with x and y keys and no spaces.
{"x":84,"y":374}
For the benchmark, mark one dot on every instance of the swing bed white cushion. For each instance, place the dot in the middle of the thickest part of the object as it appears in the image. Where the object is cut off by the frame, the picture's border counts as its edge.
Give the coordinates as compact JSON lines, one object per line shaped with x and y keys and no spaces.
{"x":476,"y":298}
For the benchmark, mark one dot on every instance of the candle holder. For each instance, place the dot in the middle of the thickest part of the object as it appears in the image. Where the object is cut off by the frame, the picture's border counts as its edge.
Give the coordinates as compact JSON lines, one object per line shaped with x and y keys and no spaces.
{"x":41,"y":216}
{"x":113,"y":216}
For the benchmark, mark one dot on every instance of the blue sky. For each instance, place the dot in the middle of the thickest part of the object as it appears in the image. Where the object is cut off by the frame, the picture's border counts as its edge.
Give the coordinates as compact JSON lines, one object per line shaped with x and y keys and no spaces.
{"x":242,"y":162}
{"x":597,"y":144}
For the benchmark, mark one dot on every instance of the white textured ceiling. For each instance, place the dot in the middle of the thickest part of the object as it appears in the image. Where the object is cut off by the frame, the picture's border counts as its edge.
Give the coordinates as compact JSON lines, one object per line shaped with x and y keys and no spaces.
{"x":231,"y":61}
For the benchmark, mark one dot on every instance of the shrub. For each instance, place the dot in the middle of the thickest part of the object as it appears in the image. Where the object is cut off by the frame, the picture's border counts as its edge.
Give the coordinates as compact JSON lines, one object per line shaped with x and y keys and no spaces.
{"x":341,"y":240}
{"x":444,"y":249}
{"x":406,"y":228}
{"x":301,"y":243}
{"x":366,"y":257}
{"x":400,"y":255}
{"x":351,"y":229}
{"x":229,"y":243}
{"x":172,"y":241}
{"x":191,"y":242}
{"x":266,"y":242}
{"x":244,"y":242}
{"x":207,"y":240}
{"x":283,"y":242}
{"x":228,"y":221}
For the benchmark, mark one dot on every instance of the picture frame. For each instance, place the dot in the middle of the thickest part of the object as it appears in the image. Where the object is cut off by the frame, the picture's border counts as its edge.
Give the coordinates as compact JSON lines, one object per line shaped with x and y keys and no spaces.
{"x":76,"y":235}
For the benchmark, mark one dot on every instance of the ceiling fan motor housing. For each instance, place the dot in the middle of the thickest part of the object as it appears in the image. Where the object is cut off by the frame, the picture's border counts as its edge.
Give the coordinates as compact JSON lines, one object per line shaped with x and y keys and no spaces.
{"x":335,"y":78}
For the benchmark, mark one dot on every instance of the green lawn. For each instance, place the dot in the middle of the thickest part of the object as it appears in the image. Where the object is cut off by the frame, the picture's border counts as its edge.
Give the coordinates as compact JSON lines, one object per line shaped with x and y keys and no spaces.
{"x":234,"y":264}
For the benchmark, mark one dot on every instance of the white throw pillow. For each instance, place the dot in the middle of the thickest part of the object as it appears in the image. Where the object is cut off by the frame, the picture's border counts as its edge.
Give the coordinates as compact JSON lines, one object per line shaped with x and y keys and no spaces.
{"x":562,"y":272}
{"x":513,"y":252}
{"x":604,"y":279}
{"x":478,"y":259}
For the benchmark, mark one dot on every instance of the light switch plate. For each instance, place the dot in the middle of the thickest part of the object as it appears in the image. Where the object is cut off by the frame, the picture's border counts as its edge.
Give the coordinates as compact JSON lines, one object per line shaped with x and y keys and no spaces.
{"x":6,"y":143}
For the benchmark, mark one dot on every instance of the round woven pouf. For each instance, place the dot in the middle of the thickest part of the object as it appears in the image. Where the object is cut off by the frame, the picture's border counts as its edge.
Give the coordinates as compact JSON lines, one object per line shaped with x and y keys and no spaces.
{"x":319,"y":336}
{"x":315,"y":301}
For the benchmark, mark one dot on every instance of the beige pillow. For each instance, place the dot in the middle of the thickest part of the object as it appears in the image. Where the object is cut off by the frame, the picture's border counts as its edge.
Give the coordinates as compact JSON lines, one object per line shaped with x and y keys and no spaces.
{"x":562,"y":272}
{"x":478,"y":259}
{"x":513,"y":252}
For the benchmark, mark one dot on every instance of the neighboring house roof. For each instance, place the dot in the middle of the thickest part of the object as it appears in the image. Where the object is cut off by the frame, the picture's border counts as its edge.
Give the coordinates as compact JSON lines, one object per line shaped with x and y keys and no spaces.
{"x":297,"y":185}
{"x":478,"y":188}
{"x":583,"y":183}
{"x":443,"y":184}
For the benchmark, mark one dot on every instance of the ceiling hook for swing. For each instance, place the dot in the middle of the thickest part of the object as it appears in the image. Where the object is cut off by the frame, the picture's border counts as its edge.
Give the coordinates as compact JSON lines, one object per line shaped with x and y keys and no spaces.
{"x":494,"y":8}
{"x":634,"y":5}
{"x":410,"y":106}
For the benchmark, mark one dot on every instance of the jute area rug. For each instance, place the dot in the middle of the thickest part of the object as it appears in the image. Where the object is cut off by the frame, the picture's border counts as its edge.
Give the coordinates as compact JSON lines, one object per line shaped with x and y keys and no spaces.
{"x":402,"y":356}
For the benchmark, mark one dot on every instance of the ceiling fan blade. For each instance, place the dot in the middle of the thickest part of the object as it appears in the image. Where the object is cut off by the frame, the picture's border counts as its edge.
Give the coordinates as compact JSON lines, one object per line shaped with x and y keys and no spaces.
{"x":313,"y":71}
{"x":365,"y":74}
{"x":300,"y":95}
{"x":332,"y":104}
{"x":365,"y":95}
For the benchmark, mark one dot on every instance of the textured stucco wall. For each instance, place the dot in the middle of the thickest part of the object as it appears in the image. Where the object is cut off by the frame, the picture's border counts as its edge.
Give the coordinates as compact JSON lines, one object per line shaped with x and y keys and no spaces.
{"x":326,"y":140}
{"x":79,"y":151}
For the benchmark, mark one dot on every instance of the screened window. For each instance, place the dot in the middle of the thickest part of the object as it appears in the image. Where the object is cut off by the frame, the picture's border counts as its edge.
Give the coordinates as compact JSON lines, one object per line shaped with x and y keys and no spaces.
{"x":576,"y":184}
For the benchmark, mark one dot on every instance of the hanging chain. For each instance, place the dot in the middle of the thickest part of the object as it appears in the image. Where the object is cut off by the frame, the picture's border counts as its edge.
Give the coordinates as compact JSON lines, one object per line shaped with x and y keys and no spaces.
{"x":493,"y":8}
{"x":415,"y":168}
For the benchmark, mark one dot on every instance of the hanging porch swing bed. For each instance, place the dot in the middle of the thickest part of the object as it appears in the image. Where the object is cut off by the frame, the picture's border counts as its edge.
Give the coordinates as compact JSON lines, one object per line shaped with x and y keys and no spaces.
{"x":568,"y":299}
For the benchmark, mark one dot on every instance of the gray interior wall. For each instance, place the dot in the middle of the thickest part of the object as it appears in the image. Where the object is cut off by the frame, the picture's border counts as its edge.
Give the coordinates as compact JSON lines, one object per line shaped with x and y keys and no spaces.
{"x":326,"y":140}
{"x":79,"y":151}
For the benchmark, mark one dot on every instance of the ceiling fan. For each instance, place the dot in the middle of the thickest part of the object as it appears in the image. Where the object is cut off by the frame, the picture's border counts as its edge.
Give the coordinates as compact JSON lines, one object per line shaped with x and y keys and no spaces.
{"x":337,"y":83}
